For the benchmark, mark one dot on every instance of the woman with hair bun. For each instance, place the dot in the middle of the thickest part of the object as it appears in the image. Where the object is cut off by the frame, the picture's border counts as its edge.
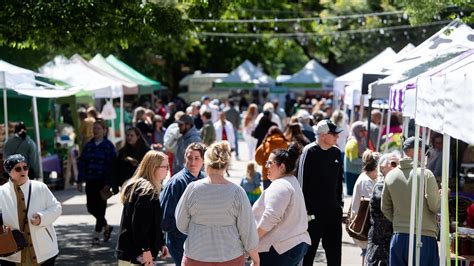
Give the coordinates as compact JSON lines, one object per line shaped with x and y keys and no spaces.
{"x":280,"y":212}
{"x":363,"y":188}
{"x":216,"y":215}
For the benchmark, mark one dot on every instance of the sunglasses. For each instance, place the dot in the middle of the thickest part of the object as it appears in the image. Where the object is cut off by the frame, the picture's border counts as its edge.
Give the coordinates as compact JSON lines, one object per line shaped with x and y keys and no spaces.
{"x":19,"y":168}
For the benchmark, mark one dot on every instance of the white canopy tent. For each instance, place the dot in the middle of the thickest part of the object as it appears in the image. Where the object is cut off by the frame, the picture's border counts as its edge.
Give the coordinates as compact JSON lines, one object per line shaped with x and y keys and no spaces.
{"x":23,"y":82}
{"x":99,"y":64}
{"x":444,"y":102}
{"x":442,"y":46}
{"x":313,"y":76}
{"x":355,"y":76}
{"x":77,"y":71}
{"x":245,"y":76}
{"x":352,"y":82}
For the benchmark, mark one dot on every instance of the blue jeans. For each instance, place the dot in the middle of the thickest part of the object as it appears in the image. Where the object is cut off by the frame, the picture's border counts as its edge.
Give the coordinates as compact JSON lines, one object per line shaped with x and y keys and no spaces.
{"x":236,"y":142}
{"x":290,"y":258}
{"x":399,"y":250}
{"x":175,"y":243}
{"x":351,"y":179}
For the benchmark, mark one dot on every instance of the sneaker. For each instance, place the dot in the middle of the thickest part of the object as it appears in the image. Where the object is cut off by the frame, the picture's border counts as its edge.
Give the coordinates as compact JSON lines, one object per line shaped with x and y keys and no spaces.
{"x":108,"y":233}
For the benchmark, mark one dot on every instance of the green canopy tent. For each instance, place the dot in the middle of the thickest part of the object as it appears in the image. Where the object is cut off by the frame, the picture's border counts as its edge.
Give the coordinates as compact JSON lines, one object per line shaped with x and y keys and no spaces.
{"x":99,"y":62}
{"x":145,"y":84}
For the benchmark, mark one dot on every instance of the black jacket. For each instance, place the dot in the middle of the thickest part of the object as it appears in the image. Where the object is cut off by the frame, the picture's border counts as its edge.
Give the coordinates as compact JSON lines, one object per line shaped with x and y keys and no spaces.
{"x":261,"y":130}
{"x":124,"y":170}
{"x":140,"y":228}
{"x":322,"y":174}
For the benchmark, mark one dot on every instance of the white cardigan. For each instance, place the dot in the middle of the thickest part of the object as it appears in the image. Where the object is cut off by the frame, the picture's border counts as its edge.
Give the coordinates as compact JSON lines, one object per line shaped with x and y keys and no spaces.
{"x":229,"y":130}
{"x":42,"y":202}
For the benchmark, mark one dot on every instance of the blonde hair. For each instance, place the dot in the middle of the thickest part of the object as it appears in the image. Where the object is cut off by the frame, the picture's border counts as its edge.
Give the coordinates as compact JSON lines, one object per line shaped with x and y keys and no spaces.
{"x":251,"y":113}
{"x":370,"y":160}
{"x":143,"y":177}
{"x":218,"y":155}
{"x":251,"y":170}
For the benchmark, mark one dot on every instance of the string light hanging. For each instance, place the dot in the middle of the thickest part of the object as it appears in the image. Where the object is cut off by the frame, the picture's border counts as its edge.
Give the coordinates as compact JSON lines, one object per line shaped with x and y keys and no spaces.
{"x":299,"y":19}
{"x":381,"y":31}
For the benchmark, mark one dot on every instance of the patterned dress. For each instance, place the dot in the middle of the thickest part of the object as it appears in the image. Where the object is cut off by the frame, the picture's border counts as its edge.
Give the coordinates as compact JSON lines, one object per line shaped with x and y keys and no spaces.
{"x":380,"y":231}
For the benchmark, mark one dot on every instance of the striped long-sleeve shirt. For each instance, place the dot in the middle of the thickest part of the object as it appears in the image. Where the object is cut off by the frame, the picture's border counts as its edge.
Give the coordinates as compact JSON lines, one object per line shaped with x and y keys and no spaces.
{"x":218,"y":220}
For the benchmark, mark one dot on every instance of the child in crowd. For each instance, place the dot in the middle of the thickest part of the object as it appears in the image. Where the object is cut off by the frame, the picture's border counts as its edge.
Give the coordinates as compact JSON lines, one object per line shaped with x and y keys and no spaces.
{"x":251,"y":182}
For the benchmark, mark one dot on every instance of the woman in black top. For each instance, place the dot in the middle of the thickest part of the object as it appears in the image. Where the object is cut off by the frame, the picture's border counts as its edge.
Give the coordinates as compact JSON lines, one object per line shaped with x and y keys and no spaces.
{"x":141,"y":238}
{"x":380,"y":232}
{"x":129,"y":157}
{"x":261,"y":130}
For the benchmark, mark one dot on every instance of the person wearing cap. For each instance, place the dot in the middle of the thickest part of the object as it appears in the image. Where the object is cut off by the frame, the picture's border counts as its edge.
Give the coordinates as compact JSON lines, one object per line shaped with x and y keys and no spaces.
{"x":189,"y":134}
{"x":196,"y":115}
{"x":304,"y":118}
{"x":396,"y":206}
{"x":22,"y":144}
{"x":273,"y":116}
{"x":20,"y":196}
{"x":320,"y":175}
{"x":207,"y":105}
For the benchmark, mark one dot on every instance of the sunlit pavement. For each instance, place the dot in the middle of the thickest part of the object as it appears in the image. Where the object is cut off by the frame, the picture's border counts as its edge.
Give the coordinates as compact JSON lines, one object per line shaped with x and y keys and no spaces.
{"x":75,"y":227}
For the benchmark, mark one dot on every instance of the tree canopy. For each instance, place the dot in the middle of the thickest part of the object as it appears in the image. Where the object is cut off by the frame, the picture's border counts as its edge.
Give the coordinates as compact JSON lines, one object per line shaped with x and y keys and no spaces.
{"x":167,"y":39}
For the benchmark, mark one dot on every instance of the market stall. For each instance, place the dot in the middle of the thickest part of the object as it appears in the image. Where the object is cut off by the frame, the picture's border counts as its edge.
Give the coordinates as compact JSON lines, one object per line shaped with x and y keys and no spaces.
{"x":312,"y":77}
{"x":444,"y":102}
{"x":245,"y":76}
{"x":18,"y":81}
{"x":102,"y":85}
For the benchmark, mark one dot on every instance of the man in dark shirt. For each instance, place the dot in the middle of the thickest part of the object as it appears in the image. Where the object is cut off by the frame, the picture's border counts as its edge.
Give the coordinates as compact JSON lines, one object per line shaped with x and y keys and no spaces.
{"x":194,"y":160}
{"x":320,"y":175}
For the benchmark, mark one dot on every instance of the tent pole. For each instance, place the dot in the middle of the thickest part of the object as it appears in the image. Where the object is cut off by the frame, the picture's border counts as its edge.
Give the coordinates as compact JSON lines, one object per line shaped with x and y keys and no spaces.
{"x":387,"y":130}
{"x":5,"y":111}
{"x":406,"y":121}
{"x":113,"y":125}
{"x":421,"y":196}
{"x":445,"y":258}
{"x":122,"y":123}
{"x":414,"y":187}
{"x":38,"y":139}
{"x":362,"y":107}
{"x":369,"y":118}
{"x":352,"y":113}
{"x":380,"y":129}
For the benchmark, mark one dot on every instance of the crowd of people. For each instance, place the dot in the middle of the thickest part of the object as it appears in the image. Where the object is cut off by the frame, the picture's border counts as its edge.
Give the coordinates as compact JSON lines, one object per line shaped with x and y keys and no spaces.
{"x":278,"y":216}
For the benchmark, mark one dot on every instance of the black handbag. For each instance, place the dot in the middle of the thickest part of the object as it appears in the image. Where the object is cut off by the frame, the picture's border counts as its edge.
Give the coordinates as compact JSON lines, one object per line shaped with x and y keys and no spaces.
{"x":12,"y":241}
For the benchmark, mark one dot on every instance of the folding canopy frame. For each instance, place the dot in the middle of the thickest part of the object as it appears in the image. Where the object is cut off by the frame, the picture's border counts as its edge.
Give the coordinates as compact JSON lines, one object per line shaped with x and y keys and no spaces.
{"x":443,"y":97}
{"x":79,"y":72}
{"x":23,"y":81}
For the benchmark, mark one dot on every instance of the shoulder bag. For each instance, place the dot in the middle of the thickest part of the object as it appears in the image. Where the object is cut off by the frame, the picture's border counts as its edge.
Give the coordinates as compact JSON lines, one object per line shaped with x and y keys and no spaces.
{"x":12,"y":241}
{"x":358,"y":227}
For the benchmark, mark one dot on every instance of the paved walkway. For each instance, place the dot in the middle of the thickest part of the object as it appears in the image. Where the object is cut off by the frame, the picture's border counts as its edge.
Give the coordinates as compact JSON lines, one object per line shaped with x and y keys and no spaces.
{"x":75,"y":228}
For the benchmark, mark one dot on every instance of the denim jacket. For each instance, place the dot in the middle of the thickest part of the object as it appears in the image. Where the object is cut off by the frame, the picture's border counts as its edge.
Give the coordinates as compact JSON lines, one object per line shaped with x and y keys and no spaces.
{"x":171,"y":194}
